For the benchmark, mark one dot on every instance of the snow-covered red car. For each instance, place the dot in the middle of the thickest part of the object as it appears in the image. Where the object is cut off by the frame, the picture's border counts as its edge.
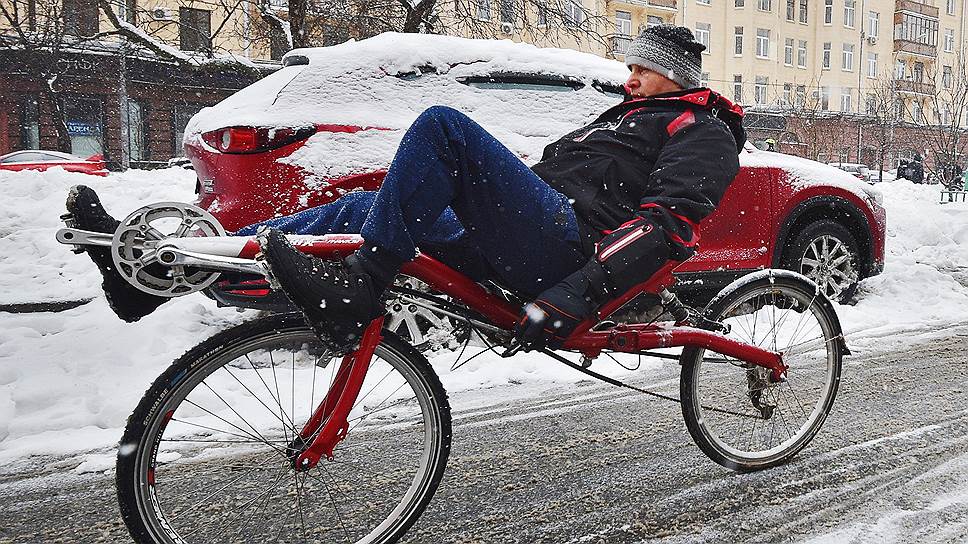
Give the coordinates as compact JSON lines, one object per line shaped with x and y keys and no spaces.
{"x":330,"y":120}
{"x":32,"y":159}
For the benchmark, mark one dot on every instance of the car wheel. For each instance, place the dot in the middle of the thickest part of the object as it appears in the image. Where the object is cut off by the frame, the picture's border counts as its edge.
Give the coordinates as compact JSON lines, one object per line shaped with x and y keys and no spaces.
{"x":827,"y":253}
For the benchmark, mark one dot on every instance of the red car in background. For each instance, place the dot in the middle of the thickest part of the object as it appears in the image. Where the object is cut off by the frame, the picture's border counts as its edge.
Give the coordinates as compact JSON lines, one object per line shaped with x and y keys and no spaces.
{"x":42,"y":160}
{"x":329,"y":121}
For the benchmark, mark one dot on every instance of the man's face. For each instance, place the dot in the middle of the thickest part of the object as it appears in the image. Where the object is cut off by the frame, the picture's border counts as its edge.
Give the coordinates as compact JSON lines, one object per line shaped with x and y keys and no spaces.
{"x":643,"y":82}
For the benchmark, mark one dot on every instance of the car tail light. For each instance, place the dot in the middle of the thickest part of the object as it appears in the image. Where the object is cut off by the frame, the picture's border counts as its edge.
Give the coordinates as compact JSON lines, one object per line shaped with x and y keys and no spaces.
{"x":255,"y":140}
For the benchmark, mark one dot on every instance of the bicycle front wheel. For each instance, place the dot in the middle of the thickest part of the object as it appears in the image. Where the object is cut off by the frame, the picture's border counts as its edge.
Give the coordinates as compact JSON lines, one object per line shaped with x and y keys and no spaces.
{"x":734,"y":412}
{"x":207,"y":455}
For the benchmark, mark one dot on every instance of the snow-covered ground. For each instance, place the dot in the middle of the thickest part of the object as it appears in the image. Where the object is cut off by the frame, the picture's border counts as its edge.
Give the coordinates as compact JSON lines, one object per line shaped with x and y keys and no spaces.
{"x":68,"y":380}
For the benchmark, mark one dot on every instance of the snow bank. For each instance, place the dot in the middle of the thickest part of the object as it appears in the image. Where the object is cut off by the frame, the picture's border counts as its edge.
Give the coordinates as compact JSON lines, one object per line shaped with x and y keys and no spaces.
{"x":33,"y":266}
{"x":76,"y":375}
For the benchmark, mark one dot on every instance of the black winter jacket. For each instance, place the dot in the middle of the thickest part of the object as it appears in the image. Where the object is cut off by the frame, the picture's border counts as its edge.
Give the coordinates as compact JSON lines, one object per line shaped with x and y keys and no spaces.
{"x":666,"y":160}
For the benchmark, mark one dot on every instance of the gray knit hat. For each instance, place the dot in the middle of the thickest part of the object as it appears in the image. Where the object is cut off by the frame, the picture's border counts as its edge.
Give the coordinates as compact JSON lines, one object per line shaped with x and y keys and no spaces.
{"x":672,"y":51}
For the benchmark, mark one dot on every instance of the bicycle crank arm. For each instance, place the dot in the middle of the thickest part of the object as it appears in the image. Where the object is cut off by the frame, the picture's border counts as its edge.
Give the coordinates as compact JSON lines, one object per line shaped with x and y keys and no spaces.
{"x":170,"y":255}
{"x":80,"y":238}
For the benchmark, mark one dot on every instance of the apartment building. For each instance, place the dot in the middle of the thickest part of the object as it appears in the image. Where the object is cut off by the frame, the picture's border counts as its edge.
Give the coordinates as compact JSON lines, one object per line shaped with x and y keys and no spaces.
{"x":836,"y":59}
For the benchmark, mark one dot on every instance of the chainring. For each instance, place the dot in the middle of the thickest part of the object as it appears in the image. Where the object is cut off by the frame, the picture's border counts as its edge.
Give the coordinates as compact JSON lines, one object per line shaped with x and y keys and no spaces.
{"x":135,"y":242}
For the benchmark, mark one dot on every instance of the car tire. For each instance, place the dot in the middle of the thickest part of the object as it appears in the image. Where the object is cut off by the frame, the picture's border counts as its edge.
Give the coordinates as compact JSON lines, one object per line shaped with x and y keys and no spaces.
{"x":818,"y":251}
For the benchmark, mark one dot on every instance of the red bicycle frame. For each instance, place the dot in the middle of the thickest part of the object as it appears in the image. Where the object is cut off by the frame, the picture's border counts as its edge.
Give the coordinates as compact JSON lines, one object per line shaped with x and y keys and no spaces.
{"x":328,"y":424}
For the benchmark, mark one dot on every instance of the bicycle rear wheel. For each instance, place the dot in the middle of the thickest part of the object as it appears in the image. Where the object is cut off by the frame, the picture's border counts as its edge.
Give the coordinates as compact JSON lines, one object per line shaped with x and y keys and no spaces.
{"x":734,"y":413}
{"x":206,"y":456}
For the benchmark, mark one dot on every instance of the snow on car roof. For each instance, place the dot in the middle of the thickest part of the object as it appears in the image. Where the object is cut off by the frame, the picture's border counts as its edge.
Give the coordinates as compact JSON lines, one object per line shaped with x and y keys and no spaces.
{"x":355,"y":83}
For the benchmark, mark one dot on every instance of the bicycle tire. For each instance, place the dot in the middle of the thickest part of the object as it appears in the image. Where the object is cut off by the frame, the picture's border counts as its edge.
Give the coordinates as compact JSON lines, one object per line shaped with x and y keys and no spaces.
{"x":146,"y":516}
{"x":774,"y":290}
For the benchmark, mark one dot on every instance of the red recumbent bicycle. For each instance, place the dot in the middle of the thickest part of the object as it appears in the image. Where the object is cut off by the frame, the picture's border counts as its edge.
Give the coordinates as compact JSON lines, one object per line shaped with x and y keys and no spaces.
{"x":260,"y":433}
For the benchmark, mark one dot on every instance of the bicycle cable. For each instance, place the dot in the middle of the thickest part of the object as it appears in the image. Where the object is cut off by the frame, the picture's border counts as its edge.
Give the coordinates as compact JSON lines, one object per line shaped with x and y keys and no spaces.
{"x":618,"y":383}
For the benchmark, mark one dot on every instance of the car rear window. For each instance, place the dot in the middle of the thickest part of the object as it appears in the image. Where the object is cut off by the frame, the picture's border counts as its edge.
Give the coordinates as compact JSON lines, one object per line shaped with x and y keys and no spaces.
{"x":524,"y":82}
{"x":27,"y":157}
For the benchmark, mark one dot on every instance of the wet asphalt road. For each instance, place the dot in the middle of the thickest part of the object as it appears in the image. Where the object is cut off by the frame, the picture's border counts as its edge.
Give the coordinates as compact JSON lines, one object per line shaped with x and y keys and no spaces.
{"x":596,"y":464}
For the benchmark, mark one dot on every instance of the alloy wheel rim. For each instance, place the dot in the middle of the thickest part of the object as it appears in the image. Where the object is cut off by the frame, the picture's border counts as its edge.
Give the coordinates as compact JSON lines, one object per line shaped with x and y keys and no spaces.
{"x":829,"y":263}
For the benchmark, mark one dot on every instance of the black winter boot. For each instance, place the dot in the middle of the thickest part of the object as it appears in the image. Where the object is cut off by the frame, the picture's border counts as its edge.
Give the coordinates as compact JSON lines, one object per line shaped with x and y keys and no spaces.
{"x":127,"y":301}
{"x":337,"y":302}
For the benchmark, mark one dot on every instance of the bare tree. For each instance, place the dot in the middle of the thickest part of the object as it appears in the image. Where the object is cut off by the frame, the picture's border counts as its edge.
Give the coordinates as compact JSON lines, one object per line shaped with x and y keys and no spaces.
{"x":42,"y":33}
{"x":882,"y":117}
{"x":940,"y":121}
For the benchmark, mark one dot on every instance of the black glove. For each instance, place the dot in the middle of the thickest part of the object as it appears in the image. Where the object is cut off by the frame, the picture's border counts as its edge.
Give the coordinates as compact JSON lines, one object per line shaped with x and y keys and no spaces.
{"x":553,"y":316}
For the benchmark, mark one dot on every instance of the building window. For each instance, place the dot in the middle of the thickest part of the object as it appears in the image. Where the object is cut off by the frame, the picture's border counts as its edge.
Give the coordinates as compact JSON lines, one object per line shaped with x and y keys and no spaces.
{"x":137,"y":131}
{"x":30,"y":123}
{"x":847,"y":59}
{"x":623,"y":23}
{"x":872,"y":65}
{"x":825,"y":98}
{"x":849,"y":13}
{"x":574,"y":14}
{"x":918,"y":29}
{"x":702,"y":35}
{"x":543,"y":13}
{"x":950,"y":4}
{"x":946,"y":77}
{"x":918,"y":72}
{"x":484,"y":10}
{"x":873,"y":23}
{"x":278,"y":43}
{"x":507,"y":11}
{"x":802,"y":53}
{"x":765,"y":5}
{"x":759,"y":89}
{"x":623,"y":31}
{"x":949,"y":40}
{"x":916,"y":111}
{"x":738,"y":39}
{"x":845,"y":100}
{"x":194,"y":29}
{"x":801,"y":96}
{"x":704,"y":79}
{"x":899,"y":69}
{"x":739,"y":3}
{"x":826,"y":56}
{"x":788,"y":52}
{"x":80,"y":17}
{"x":791,"y":9}
{"x":704,"y":2}
{"x":654,"y":20}
{"x":762,"y":42}
{"x":85,"y":125}
{"x":828,"y":12}
{"x":182,"y":113}
{"x":871,"y":104}
{"x":787,"y":94}
{"x":737,"y":88}
{"x":803,"y":11}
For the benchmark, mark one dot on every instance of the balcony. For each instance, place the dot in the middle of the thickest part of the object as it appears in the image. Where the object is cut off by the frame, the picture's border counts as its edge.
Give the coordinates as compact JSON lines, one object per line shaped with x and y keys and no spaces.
{"x":620,"y":44}
{"x":667,"y":4}
{"x":915,"y":48}
{"x":914,"y":87}
{"x":658,"y":5}
{"x":920,"y":8}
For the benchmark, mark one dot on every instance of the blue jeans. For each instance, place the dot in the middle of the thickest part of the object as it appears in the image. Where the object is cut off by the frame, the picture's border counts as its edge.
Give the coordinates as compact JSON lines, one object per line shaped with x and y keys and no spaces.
{"x":453,"y":188}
